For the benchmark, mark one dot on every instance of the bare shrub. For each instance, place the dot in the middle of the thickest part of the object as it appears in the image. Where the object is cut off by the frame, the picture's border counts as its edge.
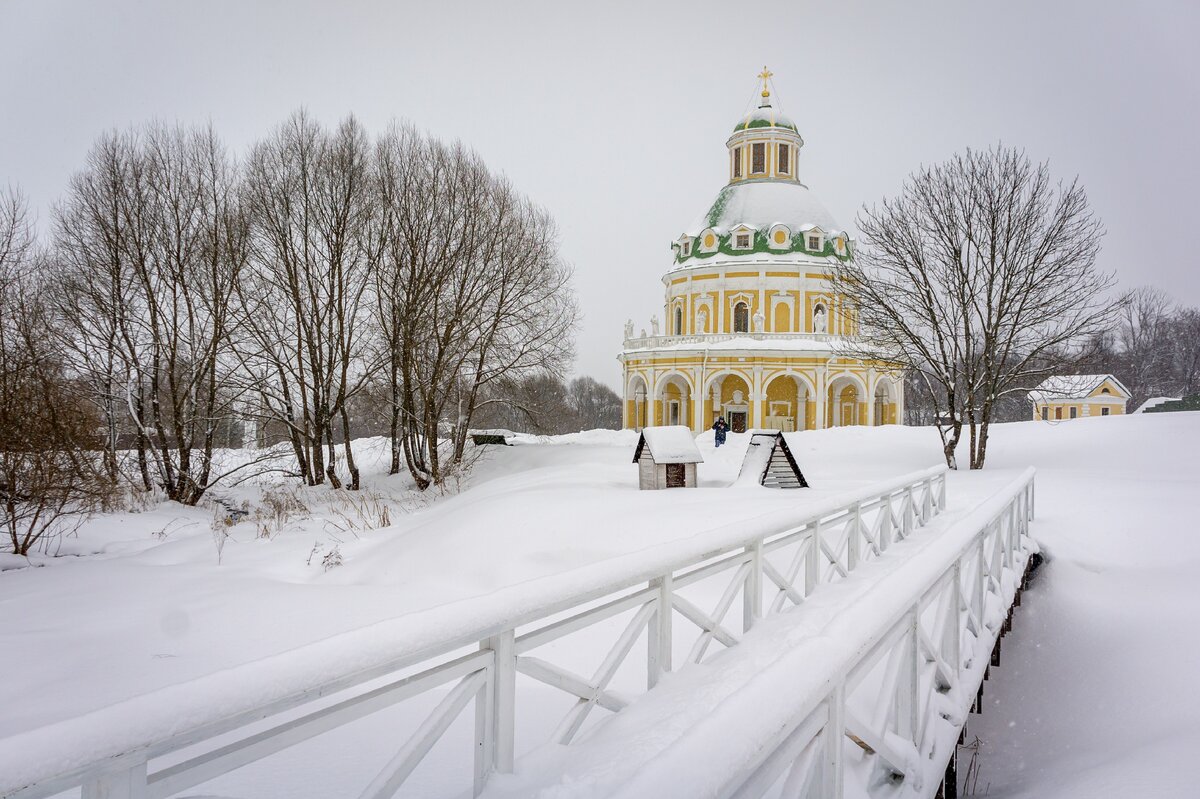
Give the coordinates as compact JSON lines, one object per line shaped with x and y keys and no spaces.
{"x":278,"y":506}
{"x":363,"y":510}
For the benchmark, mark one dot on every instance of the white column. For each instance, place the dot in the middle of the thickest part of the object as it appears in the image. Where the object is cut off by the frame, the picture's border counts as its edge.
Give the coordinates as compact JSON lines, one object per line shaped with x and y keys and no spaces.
{"x":757,"y":393}
{"x":822,"y":396}
{"x":871,"y":381}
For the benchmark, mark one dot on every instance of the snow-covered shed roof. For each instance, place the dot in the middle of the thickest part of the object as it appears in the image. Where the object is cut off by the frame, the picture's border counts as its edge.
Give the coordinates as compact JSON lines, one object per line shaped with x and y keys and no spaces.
{"x":769,"y":462}
{"x":669,"y":444}
{"x":761,"y":204}
{"x":1068,"y":387}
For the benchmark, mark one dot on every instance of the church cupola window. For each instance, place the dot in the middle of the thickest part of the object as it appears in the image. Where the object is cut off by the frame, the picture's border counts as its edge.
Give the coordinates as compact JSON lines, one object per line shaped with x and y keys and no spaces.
{"x":743,"y":237}
{"x":758,"y":158}
{"x":741,"y":318}
{"x":785,"y":165}
{"x":814,"y":242}
{"x":779,"y":237}
{"x":737,"y":162}
{"x":678,"y":322}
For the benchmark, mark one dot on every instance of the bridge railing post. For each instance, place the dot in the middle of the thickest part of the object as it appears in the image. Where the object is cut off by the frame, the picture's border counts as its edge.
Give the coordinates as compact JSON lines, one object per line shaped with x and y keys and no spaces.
{"x":833,"y":746}
{"x":128,"y":783}
{"x":952,"y":638}
{"x":854,"y":538}
{"x":658,"y":632}
{"x":812,"y":561}
{"x":752,"y":590}
{"x":496,"y":712}
{"x":908,"y":703}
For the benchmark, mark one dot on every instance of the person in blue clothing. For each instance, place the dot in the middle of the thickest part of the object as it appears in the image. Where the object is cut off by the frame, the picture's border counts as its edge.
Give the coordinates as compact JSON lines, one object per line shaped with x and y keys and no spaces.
{"x":720,"y":429}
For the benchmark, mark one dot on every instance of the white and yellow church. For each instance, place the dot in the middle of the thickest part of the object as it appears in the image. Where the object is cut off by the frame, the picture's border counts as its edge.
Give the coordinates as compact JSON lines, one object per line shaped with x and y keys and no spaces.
{"x":753,"y":331}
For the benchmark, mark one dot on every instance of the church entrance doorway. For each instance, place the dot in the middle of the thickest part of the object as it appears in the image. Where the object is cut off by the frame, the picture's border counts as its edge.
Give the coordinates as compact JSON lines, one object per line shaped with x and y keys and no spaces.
{"x":737,"y":421}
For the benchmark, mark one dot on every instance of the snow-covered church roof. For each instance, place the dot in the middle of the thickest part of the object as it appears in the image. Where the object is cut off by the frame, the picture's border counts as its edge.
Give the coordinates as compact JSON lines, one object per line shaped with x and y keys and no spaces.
{"x":1068,"y":387}
{"x":765,"y":116}
{"x":762,"y":204}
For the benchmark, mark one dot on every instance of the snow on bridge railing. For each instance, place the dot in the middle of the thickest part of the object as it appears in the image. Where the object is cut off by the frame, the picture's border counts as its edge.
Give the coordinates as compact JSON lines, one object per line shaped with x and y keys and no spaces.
{"x":237,"y":716}
{"x":913,"y":650}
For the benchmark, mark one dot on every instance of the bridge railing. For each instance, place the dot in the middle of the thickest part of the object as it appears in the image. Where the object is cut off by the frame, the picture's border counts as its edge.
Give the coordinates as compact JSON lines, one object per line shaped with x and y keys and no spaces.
{"x":767,"y":563}
{"x":881,"y":695}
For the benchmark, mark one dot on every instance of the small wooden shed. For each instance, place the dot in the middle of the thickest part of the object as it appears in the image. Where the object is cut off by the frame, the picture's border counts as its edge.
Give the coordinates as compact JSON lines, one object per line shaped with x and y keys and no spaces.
{"x":667,"y":457}
{"x":769,"y":462}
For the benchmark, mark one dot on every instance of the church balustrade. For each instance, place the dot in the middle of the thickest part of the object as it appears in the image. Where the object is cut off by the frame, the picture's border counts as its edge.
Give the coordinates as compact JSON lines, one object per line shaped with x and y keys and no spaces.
{"x":650,"y":342}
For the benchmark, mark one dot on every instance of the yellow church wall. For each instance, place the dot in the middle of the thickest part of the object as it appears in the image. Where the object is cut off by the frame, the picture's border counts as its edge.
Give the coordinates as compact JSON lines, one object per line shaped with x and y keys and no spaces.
{"x":781,"y":319}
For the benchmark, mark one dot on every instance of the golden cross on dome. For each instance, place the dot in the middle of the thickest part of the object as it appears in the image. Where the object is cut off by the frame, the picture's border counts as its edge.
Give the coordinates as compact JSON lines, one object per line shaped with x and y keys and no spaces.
{"x":766,"y":75}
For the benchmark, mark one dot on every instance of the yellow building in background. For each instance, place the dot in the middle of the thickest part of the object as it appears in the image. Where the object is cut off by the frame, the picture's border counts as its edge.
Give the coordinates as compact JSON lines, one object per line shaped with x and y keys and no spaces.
{"x":752,"y":330}
{"x":1075,"y":396}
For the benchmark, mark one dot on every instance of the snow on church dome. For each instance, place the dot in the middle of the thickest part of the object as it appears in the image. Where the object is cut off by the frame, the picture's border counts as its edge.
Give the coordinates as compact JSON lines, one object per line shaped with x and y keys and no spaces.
{"x":761,"y":205}
{"x":765,"y":117}
{"x":764,"y":209}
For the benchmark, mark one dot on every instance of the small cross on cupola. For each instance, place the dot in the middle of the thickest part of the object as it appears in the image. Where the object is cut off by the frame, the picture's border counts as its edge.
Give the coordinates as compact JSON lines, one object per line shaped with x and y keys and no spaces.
{"x":765,"y":76}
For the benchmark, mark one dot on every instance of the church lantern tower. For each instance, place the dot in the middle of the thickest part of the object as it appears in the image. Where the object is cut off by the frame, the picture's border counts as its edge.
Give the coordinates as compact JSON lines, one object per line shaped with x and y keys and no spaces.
{"x":752,"y":329}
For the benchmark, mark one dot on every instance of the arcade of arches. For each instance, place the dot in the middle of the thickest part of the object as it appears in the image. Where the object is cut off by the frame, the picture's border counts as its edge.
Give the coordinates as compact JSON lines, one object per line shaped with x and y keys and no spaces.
{"x":786,"y":400}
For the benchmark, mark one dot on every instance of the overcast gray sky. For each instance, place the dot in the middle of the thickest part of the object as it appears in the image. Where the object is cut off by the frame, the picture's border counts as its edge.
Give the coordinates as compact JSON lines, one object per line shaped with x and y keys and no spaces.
{"x":613,"y":115}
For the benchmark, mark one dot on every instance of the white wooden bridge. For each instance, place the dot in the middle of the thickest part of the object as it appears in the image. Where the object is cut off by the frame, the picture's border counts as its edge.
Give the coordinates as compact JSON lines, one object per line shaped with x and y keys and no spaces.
{"x":871,"y":622}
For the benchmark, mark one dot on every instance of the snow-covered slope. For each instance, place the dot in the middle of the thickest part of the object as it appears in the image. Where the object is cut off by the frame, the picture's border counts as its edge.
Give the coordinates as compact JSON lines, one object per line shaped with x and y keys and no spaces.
{"x":1093,"y":688}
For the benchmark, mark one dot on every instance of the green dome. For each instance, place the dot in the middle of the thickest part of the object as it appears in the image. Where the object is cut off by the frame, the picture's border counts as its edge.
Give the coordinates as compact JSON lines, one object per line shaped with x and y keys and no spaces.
{"x":765,"y":117}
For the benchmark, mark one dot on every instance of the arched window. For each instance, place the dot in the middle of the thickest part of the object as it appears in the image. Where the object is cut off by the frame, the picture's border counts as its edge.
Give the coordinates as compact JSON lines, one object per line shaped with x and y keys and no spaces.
{"x":1105,"y":390}
{"x":678,"y":328}
{"x":741,"y":318}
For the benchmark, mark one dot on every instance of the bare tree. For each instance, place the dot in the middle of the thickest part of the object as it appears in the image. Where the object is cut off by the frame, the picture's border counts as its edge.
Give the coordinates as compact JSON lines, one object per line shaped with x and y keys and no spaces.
{"x":1143,"y":338}
{"x":48,"y":480}
{"x":470,"y":290}
{"x":1183,"y":347}
{"x":980,"y":277}
{"x":91,"y":256}
{"x":304,"y":296}
{"x":151,"y":241}
{"x":595,"y":405}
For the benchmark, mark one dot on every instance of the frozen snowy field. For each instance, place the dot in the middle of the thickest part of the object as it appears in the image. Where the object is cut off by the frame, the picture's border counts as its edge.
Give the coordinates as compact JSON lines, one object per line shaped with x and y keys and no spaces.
{"x":1092,"y":698}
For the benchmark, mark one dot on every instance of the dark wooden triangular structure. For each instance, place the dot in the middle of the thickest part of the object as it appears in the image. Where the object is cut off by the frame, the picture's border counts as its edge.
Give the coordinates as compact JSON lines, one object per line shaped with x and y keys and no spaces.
{"x":781,"y":469}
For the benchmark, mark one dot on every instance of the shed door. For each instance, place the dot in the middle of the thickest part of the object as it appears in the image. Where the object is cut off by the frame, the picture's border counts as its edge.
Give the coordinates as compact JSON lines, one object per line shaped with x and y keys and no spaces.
{"x":676,"y":477}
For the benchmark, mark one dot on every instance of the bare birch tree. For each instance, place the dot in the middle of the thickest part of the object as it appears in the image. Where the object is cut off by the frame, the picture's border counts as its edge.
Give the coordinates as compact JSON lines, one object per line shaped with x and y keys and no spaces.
{"x":980,"y":277}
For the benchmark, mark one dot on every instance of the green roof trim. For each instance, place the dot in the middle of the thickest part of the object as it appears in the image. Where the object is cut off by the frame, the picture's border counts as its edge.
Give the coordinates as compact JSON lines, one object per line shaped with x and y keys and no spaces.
{"x":763,"y":123}
{"x":761,"y":245}
{"x":718,"y":206}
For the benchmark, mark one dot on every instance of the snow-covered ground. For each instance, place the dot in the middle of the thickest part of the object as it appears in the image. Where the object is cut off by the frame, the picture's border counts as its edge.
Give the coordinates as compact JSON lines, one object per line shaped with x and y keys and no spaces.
{"x":1093,"y":688}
